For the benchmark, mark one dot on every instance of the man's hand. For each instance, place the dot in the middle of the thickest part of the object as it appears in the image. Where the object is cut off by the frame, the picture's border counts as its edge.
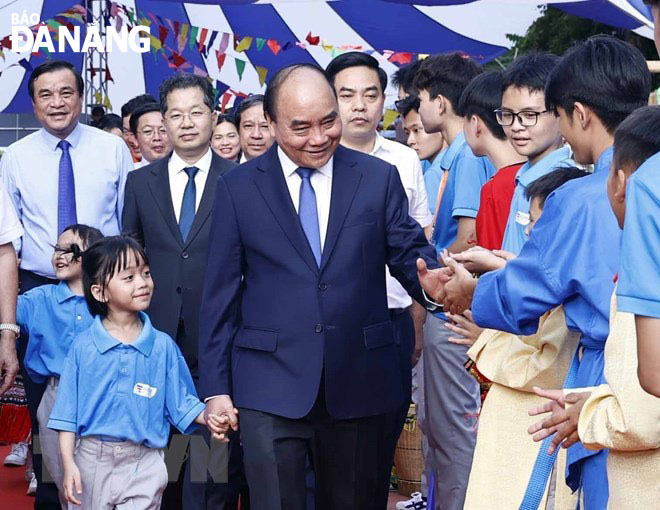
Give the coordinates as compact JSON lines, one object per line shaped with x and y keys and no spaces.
{"x":8,"y":360}
{"x":464,"y":326}
{"x":562,"y":422}
{"x":432,"y":280}
{"x":479,"y":260}
{"x":219,"y":409}
{"x":458,"y":291}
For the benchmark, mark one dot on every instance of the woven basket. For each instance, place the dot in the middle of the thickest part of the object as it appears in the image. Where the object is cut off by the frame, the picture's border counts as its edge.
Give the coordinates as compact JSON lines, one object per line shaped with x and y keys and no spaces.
{"x":408,"y":457}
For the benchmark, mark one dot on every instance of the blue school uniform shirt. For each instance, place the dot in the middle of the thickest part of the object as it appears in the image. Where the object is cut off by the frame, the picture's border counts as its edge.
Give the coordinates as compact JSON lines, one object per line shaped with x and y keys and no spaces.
{"x":571,"y":258}
{"x":432,"y":178}
{"x":52,"y":316}
{"x":638,"y":291}
{"x":514,"y":234}
{"x":131,"y":392}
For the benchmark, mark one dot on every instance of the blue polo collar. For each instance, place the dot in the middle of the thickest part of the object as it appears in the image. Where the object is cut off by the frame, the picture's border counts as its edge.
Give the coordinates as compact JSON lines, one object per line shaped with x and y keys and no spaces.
{"x":104,"y":341}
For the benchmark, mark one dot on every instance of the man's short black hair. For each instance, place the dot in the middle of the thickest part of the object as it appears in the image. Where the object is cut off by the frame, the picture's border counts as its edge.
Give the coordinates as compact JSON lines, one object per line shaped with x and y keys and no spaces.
{"x":543,"y":186}
{"x":637,"y":138}
{"x":139,"y":112}
{"x":355,"y":59}
{"x":407,"y":105}
{"x":405,"y":76}
{"x":606,"y":74}
{"x":182,"y":81}
{"x":447,"y":75}
{"x":133,"y":104}
{"x":482,"y":97}
{"x":52,"y":66}
{"x":247,"y":103}
{"x":110,"y":121}
{"x":273,"y":88}
{"x":529,"y":72}
{"x":98,"y":110}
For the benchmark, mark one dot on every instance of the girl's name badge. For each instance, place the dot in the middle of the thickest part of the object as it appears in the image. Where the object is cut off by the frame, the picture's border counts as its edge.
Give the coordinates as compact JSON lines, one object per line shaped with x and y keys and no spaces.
{"x":144,"y":390}
{"x":522,"y":218}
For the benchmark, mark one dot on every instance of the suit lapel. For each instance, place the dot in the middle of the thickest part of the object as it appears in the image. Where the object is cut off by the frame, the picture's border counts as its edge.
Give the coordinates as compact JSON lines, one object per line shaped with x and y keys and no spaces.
{"x":272,"y":186}
{"x":345,"y":181}
{"x":159,"y":184}
{"x":208,"y":195}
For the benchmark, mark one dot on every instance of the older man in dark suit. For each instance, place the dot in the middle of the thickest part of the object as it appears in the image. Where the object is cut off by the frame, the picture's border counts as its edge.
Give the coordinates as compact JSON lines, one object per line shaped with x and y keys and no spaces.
{"x":294,"y":329}
{"x":167,"y":208}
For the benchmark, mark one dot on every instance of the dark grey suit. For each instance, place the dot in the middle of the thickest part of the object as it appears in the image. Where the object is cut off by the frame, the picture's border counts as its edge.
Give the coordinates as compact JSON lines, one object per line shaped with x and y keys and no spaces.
{"x":177,"y":266}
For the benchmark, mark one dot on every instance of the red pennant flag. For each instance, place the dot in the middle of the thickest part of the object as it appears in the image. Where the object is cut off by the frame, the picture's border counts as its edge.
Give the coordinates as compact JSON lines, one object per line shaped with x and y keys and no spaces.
{"x":177,"y":28}
{"x":274,"y":46}
{"x":177,"y":60}
{"x":401,"y":58}
{"x":225,"y":99}
{"x":221,"y":59}
{"x":162,"y":34}
{"x":6,"y":43}
{"x":202,"y":38}
{"x":237,"y":40}
{"x":108,"y":76}
{"x":313,"y":40}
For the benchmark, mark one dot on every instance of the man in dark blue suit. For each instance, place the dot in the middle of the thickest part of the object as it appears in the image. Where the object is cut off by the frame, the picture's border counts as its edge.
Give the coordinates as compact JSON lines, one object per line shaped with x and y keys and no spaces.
{"x":294,"y":328}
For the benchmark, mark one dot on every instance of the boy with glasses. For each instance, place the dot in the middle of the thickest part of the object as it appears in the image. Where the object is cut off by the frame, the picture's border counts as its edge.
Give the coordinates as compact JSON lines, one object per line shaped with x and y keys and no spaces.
{"x":533,"y":130}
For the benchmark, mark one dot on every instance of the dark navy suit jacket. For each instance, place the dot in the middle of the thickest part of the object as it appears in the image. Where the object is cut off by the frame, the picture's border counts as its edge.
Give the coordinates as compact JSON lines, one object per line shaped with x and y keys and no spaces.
{"x":272,"y":321}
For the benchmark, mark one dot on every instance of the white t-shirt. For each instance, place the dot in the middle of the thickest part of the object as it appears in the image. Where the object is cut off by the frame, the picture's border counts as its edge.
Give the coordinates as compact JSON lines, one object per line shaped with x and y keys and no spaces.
{"x":10,"y":228}
{"x":407,"y":163}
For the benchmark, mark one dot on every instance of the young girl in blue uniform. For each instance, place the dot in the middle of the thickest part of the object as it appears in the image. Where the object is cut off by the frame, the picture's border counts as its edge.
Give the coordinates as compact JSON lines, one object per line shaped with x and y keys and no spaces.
{"x":52,"y":316}
{"x":122,"y":385}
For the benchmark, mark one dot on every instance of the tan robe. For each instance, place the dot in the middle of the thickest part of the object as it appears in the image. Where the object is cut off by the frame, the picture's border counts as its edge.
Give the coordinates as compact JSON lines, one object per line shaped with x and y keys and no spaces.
{"x":621,"y":416}
{"x":505,"y":453}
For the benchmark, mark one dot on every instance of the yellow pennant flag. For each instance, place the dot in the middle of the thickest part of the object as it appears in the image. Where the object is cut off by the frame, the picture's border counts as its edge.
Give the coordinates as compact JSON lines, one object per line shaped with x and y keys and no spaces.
{"x":245,"y":44}
{"x":389,"y":118}
{"x":262,"y":72}
{"x":326,"y":46}
{"x":107,"y":103}
{"x":422,"y":56}
{"x":155,"y":43}
{"x":98,"y":97}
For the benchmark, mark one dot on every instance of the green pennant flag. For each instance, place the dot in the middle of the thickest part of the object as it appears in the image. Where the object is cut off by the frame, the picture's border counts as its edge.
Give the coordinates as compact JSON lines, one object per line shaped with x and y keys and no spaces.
{"x":240,"y":67}
{"x":260,"y":43}
{"x":193,"y":36}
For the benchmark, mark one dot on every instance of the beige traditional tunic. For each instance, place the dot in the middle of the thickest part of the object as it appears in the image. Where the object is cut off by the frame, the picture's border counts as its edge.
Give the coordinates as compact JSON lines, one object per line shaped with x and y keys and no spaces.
{"x":505,"y":453}
{"x":621,"y":416}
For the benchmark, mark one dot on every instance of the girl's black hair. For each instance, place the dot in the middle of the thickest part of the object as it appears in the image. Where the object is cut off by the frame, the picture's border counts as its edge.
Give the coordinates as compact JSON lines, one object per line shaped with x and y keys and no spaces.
{"x":88,"y":235}
{"x":102,"y":261}
{"x":225,"y":117}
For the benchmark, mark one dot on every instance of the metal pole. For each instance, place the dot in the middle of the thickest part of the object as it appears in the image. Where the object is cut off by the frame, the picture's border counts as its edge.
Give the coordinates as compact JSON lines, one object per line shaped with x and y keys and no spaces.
{"x":95,"y":62}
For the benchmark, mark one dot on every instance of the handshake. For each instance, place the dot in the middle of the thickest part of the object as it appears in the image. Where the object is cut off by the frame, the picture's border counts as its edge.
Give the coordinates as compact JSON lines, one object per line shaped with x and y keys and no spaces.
{"x":453,"y":286}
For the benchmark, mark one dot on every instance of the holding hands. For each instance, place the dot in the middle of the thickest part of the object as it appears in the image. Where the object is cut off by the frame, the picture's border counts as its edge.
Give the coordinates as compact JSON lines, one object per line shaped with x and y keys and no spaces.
{"x":220,"y":415}
{"x":563,"y":420}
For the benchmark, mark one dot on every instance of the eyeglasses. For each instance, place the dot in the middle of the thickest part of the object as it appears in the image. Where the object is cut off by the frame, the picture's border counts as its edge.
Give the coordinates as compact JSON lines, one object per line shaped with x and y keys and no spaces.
{"x":527,"y":118}
{"x":195,"y":116}
{"x":150,"y":132}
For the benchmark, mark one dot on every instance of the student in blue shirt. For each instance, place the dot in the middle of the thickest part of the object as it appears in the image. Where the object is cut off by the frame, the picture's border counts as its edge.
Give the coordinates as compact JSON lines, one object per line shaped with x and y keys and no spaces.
{"x":533,"y":130}
{"x":52,"y":316}
{"x":451,"y":395}
{"x":122,"y":384}
{"x":572,"y":253}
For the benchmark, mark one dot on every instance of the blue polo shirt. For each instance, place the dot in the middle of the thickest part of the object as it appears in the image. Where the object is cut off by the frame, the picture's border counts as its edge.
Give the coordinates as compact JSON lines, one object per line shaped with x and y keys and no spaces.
{"x":127,"y":391}
{"x":432,"y":178}
{"x":514,"y":235}
{"x":467,"y":174}
{"x":52,"y":316}
{"x":571,"y":258}
{"x":638,"y":291}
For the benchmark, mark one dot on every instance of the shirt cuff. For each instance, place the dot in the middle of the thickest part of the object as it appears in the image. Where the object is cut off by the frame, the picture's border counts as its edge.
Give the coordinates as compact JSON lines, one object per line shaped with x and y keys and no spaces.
{"x":638,"y":306}
{"x":460,"y":212}
{"x":187,"y":424}
{"x":63,"y":425}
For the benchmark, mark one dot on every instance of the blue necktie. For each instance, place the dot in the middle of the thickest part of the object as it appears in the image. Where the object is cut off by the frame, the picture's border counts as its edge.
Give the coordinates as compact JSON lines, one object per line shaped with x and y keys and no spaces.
{"x":66,"y":190}
{"x":188,"y":204}
{"x":538,"y":480}
{"x":308,"y":214}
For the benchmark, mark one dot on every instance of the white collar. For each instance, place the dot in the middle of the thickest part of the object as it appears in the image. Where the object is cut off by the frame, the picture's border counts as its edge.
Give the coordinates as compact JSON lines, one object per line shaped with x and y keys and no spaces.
{"x":289,"y":167}
{"x":176,"y":164}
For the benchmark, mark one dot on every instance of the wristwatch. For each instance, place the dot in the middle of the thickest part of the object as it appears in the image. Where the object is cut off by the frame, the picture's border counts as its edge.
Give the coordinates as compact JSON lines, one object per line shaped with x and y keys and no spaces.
{"x":14,"y":328}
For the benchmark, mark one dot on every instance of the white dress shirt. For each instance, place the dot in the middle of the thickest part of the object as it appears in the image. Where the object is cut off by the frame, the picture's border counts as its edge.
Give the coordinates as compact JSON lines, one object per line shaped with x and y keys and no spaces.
{"x":10,"y":228}
{"x":30,"y":173}
{"x":321,"y":182}
{"x":179,"y":179}
{"x":409,"y":167}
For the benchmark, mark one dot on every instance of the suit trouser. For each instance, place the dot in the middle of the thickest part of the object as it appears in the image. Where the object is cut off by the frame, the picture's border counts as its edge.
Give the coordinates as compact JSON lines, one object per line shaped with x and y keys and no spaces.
{"x":49,"y":439}
{"x":345,"y":457}
{"x":46,"y":497}
{"x":119,"y":475}
{"x":452,"y":402}
{"x":404,"y":333}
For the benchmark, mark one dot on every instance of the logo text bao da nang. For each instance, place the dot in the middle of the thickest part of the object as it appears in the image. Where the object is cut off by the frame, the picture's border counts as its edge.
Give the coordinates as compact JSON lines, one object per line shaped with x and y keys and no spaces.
{"x":24,"y":39}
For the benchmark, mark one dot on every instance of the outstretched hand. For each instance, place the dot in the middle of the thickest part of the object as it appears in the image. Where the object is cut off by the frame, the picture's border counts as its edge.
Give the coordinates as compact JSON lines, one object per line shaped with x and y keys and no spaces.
{"x":479,"y":260}
{"x":458,"y":291}
{"x":433,"y":280}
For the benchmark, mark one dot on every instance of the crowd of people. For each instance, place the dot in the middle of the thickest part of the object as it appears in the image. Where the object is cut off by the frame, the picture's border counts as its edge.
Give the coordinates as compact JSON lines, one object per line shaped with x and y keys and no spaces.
{"x":236,"y":310}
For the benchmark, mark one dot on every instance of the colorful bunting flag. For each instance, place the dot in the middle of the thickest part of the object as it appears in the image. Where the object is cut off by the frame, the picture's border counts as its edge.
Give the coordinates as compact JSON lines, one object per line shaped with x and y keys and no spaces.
{"x":240,"y":67}
{"x":260,"y":43}
{"x":313,"y":40}
{"x":244,"y":45}
{"x":162,"y":34}
{"x":107,"y":103}
{"x":274,"y":46}
{"x":224,"y":42}
{"x":192,"y":40}
{"x":389,"y":117}
{"x":262,"y":72}
{"x":221,"y":59}
{"x":401,"y":58}
{"x":202,"y":38}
